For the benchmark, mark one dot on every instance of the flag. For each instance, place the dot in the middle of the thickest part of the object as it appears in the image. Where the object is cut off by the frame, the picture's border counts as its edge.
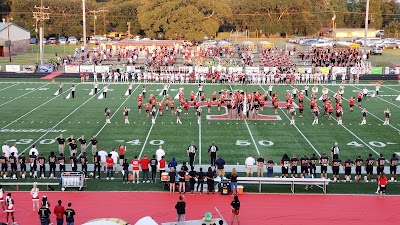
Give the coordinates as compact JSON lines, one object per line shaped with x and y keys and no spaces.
{"x":68,"y":96}
{"x":127,"y":92}
{"x":245,"y":104}
{"x":91,"y":92}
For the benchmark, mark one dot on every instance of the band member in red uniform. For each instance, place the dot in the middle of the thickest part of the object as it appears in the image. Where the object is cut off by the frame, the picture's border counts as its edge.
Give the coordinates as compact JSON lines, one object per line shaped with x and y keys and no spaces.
{"x":312,"y":104}
{"x":160,"y":108}
{"x":167,"y":104}
{"x":301,"y":108}
{"x":172,"y":105}
{"x":148,"y":109}
{"x":186,"y":107}
{"x":140,"y":102}
{"x":330,"y":111}
{"x":316,"y":114}
{"x":214,"y":96}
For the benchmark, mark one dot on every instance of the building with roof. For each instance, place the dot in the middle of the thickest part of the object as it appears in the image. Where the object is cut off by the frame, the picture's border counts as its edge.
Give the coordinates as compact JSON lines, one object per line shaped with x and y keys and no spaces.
{"x":353,"y":32}
{"x":19,"y":38}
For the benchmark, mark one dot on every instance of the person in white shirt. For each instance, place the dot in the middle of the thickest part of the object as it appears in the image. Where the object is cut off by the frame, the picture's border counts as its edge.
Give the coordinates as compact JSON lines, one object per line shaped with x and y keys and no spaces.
{"x":159,"y":153}
{"x":33,"y":149}
{"x":249,"y":163}
{"x":6,"y":149}
{"x":114,"y":156}
{"x":14,"y":149}
{"x":103,"y":156}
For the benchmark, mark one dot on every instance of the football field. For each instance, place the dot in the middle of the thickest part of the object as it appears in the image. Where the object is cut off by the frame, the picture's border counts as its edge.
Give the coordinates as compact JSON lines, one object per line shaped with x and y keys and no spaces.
{"x":30,"y":114}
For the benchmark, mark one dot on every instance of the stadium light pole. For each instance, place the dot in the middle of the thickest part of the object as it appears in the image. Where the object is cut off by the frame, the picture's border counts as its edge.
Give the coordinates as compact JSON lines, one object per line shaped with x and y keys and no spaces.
{"x":366,"y":26}
{"x":84,"y":21}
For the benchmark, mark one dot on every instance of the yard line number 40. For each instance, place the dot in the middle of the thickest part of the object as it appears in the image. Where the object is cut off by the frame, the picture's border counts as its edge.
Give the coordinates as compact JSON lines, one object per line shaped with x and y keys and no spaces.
{"x":376,"y":144}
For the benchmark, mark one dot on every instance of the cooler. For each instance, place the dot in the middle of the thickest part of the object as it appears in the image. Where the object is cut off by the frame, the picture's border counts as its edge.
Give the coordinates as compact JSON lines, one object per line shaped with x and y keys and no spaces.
{"x":240,"y":190}
{"x":164,"y":177}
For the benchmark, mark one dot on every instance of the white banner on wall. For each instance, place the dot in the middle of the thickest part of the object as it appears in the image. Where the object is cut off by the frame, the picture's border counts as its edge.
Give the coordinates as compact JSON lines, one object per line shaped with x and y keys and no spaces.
{"x":200,"y":69}
{"x":252,"y":69}
{"x":339,"y":70}
{"x":270,"y":70}
{"x":71,"y":69}
{"x":101,"y":69}
{"x":13,"y":68}
{"x":235,"y":69}
{"x":86,"y":68}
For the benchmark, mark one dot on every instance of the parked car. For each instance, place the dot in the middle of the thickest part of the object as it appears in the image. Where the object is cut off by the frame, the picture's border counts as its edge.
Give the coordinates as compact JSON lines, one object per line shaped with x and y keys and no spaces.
{"x":376,"y":51}
{"x":45,"y":41}
{"x":62,"y":41}
{"x":33,"y":41}
{"x":72,"y":40}
{"x":390,"y":45}
{"x":52,"y":41}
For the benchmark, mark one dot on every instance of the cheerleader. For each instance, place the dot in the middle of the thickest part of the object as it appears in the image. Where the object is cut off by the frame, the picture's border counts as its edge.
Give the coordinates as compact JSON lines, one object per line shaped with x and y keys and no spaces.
{"x":10,"y":208}
{"x":2,"y":198}
{"x":126,"y":112}
{"x":364,"y":116}
{"x":107,"y":114}
{"x":178,"y":114}
{"x":339,"y":114}
{"x":387,"y":116}
{"x":35,"y":197}
{"x":105,"y":90}
{"x":293,"y":114}
{"x":316,"y":114}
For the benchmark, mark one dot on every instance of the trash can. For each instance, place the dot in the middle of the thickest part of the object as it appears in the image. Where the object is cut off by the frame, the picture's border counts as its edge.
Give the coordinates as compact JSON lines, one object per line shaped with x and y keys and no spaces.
{"x":224,"y":187}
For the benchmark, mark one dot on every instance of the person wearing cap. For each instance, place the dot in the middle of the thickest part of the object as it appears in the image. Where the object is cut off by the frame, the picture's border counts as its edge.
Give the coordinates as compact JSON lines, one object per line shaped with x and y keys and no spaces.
{"x":191,"y":151}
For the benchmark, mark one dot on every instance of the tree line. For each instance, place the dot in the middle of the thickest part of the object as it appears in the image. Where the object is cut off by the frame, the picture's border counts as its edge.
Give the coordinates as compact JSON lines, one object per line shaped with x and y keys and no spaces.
{"x":194,"y":19}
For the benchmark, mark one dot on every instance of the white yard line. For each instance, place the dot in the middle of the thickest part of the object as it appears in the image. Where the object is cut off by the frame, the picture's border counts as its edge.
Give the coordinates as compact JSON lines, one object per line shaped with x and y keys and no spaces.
{"x":116,"y":111}
{"x":301,"y":133}
{"x":251,"y":134}
{"x":151,"y":128}
{"x":8,"y":87}
{"x":353,"y":134}
{"x":379,"y":98}
{"x":59,"y":122}
{"x":386,"y":86}
{"x":24,"y":94}
{"x":200,"y":142}
{"x":33,"y":110}
{"x":369,"y":113}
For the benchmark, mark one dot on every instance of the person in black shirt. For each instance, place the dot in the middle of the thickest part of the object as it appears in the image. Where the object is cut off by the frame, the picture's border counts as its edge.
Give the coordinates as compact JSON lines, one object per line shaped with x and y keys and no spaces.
{"x":69,"y":215}
{"x":22,"y":165}
{"x":348,"y":164}
{"x":192,"y":181}
{"x":184,"y":167}
{"x":336,"y":162}
{"x":125,"y":172}
{"x":42,"y":166}
{"x":234,"y":186}
{"x":33,"y":165}
{"x":369,"y":166}
{"x":69,"y":140}
{"x":97,"y":165}
{"x":210,"y":180}
{"x":359,"y":163}
{"x":44,"y":215}
{"x":182,"y":183}
{"x":212,"y":150}
{"x":52,"y":165}
{"x":83,"y":159}
{"x":393,"y":167}
{"x":61,"y":161}
{"x":270,"y":167}
{"x":3,"y":161}
{"x":235,"y":205}
{"x":61,"y":143}
{"x":82,"y":140}
{"x":180,"y":208}
{"x":380,"y":165}
{"x":93,"y":142}
{"x":314,"y":161}
{"x":200,"y":180}
{"x":153,"y":165}
{"x":172,"y":175}
{"x":73,"y":147}
{"x":73,"y":161}
{"x":13,"y":164}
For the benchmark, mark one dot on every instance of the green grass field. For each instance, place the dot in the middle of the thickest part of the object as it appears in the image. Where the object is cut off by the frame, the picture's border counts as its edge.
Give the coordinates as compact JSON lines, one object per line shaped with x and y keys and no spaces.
{"x":30,"y":106}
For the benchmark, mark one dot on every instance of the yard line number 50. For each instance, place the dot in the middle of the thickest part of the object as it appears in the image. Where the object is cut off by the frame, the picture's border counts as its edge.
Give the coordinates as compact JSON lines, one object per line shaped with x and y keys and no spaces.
{"x":265,"y":143}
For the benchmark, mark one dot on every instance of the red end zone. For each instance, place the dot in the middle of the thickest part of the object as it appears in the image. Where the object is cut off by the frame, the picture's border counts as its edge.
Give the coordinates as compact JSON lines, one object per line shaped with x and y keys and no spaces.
{"x":255,"y":208}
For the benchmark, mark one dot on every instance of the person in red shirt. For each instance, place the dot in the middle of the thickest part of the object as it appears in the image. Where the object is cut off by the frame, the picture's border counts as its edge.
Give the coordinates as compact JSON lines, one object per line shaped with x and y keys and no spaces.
{"x":121,"y":153}
{"x":351,"y":103}
{"x":59,"y":212}
{"x":110,"y":167}
{"x":301,"y":108}
{"x":160,"y":108}
{"x":135,"y":169}
{"x":161,"y":166}
{"x":172,"y":105}
{"x":214,"y":96}
{"x":144,"y":163}
{"x":147,"y":109}
{"x":382,"y":182}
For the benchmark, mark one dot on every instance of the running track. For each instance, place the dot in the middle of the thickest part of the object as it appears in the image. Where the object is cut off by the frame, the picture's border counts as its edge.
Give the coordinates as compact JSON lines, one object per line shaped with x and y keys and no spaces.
{"x":256,"y":208}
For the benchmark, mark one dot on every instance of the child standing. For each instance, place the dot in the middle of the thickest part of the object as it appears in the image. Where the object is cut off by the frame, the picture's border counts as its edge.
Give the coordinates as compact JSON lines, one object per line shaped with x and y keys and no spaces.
{"x":181,"y":208}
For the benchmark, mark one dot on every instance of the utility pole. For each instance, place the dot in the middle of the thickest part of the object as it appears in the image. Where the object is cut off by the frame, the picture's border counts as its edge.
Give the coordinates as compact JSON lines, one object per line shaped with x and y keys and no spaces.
{"x":41,"y":15}
{"x":84,"y":22}
{"x":8,"y":34}
{"x":94,"y":12}
{"x":366,"y":26}
{"x":129,"y":29}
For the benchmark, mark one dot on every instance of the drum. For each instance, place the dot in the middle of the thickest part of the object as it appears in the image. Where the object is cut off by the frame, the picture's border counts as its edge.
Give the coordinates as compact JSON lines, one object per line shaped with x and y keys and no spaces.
{"x":164,"y":177}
